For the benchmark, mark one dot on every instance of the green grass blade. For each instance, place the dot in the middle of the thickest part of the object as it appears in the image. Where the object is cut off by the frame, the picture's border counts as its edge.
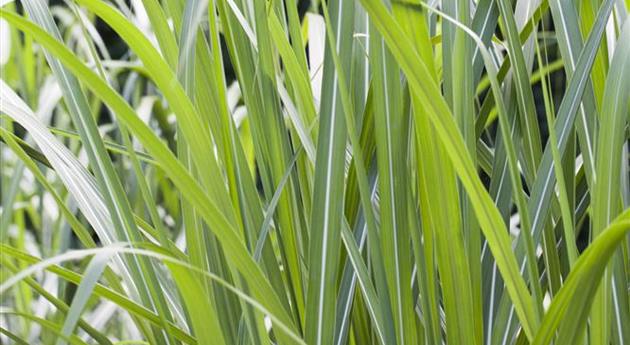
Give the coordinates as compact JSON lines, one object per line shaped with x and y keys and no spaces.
{"x":327,"y":211}
{"x":391,"y":123}
{"x":606,"y":197}
{"x":48,"y":325}
{"x":59,"y":304}
{"x":531,"y":133}
{"x":570,"y":43}
{"x":84,"y":291}
{"x":569,"y":310}
{"x":542,"y":191}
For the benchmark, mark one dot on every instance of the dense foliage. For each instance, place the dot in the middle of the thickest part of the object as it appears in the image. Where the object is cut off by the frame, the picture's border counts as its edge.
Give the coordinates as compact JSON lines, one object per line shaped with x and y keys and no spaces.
{"x":324,"y":172}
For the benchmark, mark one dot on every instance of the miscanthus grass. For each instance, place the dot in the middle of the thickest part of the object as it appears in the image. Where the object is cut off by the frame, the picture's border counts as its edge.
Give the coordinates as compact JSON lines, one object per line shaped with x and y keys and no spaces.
{"x":324,"y":172}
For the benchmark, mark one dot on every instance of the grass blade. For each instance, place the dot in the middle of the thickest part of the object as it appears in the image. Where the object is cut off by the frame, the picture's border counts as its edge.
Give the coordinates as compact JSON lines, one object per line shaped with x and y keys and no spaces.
{"x":606,"y":197}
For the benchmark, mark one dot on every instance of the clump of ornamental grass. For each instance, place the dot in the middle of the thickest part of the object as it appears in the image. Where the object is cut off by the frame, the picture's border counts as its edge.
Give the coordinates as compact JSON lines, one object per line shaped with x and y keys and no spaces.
{"x":323,"y":172}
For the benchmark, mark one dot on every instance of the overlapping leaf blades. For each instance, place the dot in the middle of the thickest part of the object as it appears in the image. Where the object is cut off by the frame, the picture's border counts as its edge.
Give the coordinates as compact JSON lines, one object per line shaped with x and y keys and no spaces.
{"x":386,"y":208}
